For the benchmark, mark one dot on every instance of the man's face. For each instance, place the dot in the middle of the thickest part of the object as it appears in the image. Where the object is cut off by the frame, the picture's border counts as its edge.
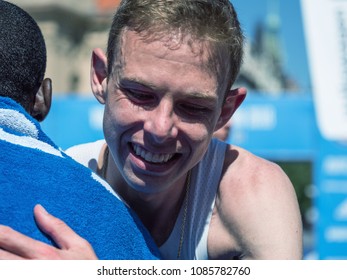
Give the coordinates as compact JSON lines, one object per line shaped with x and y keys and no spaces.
{"x":160,"y":112}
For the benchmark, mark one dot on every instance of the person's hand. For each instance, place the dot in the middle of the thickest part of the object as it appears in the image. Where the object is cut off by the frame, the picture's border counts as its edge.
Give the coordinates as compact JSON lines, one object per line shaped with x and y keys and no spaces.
{"x":14,"y":245}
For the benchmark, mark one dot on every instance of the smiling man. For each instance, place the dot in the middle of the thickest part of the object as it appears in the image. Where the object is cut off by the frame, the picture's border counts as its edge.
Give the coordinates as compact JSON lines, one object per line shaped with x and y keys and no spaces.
{"x":166,"y":86}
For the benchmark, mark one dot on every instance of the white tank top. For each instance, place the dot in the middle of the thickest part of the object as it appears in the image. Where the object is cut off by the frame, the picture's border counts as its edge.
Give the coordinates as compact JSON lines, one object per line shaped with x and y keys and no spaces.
{"x":205,"y":179}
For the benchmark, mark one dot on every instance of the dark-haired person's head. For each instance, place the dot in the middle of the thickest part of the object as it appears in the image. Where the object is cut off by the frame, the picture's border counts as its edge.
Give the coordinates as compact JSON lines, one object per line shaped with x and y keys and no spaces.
{"x":23,"y":61}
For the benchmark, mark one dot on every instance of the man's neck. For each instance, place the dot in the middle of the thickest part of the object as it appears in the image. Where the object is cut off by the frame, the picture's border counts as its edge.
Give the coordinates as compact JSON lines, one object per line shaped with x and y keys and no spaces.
{"x":157,"y":211}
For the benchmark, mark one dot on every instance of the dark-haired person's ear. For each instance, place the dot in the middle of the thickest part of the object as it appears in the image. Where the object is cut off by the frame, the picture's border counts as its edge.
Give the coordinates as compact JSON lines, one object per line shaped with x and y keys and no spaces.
{"x":43,"y":101}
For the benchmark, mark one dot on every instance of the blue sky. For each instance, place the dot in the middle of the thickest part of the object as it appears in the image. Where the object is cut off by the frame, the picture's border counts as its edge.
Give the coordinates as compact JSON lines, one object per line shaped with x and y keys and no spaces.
{"x":291,"y":34}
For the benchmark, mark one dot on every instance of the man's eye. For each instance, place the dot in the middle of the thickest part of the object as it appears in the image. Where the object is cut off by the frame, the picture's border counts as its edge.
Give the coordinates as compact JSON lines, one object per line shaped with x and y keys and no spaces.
{"x":194,"y":109}
{"x":139,"y":96}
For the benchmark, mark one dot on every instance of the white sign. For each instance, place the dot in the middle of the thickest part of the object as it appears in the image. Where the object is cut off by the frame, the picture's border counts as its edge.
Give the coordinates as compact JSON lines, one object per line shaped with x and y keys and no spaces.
{"x":325,"y":25}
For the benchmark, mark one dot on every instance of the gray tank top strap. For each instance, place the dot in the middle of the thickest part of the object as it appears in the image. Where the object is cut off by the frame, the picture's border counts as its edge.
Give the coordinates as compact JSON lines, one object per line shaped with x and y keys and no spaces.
{"x":204,"y":185}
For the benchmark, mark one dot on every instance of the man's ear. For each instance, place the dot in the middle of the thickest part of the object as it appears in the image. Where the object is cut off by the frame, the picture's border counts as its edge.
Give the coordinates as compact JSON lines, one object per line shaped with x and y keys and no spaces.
{"x":233,"y":100}
{"x":98,"y":74}
{"x":43,"y":101}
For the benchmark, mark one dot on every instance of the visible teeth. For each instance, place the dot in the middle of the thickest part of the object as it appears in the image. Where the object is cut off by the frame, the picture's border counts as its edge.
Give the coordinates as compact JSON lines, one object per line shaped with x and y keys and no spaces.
{"x":151,"y":157}
{"x":167,"y":157}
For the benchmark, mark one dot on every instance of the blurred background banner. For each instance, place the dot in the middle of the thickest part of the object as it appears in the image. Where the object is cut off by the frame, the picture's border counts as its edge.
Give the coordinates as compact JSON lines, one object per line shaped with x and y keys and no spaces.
{"x":331,"y":200}
{"x":280,"y":128}
{"x":325,"y":25}
{"x":74,"y":120}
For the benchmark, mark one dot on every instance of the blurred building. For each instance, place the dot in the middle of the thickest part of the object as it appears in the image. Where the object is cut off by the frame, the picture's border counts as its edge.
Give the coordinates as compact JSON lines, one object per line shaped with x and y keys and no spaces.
{"x":73,"y":28}
{"x":263,"y":67}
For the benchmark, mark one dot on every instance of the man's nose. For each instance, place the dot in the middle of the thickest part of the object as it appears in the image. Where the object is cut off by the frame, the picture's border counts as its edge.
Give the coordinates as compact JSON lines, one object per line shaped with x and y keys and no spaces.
{"x":161,"y":122}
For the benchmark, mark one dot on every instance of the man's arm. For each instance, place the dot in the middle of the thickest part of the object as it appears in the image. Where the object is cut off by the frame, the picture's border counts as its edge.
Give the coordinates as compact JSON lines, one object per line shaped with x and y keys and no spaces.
{"x":14,"y":245}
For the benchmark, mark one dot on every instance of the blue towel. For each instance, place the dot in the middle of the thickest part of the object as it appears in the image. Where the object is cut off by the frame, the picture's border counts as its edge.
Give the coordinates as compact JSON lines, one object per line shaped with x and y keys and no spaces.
{"x":34,"y":170}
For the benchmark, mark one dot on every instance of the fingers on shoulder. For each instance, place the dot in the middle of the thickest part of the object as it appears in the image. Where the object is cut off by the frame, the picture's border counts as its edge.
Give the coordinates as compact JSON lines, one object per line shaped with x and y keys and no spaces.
{"x":15,"y":245}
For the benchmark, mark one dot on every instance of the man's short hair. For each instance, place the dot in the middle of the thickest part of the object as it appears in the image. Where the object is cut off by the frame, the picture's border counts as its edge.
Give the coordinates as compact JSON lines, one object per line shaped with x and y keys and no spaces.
{"x":213,"y":22}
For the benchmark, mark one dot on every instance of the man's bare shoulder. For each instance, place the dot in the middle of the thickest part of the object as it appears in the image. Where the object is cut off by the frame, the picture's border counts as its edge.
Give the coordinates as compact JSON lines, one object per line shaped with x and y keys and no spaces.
{"x":244,"y":169}
{"x":256,"y":208}
{"x":250,"y":181}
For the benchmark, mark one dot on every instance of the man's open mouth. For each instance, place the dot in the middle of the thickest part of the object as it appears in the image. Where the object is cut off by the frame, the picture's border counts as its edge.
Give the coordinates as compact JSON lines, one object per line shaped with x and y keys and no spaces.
{"x":151,"y":157}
